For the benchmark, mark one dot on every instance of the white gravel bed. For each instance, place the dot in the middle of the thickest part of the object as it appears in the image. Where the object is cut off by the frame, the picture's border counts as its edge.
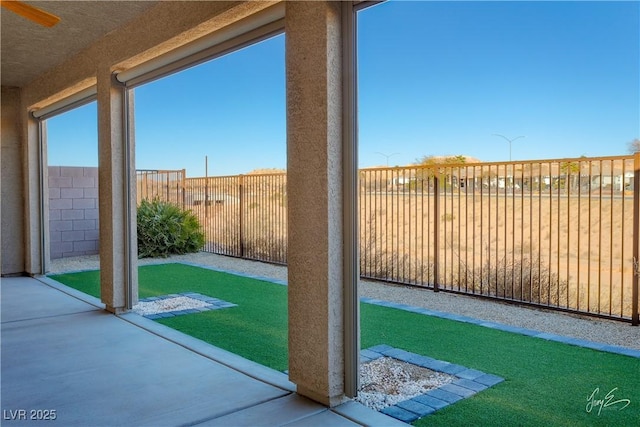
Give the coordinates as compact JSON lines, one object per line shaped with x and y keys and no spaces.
{"x":166,"y":305}
{"x":583,"y":327}
{"x":387,"y":381}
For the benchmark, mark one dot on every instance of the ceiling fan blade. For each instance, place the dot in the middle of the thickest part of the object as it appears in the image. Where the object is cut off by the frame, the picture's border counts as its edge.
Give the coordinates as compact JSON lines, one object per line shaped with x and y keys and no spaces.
{"x":31,"y":12}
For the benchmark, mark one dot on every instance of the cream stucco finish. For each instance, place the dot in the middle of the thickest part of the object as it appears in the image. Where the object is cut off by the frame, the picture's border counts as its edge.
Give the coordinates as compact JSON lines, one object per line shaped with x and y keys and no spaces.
{"x":118,"y":272}
{"x":27,"y":47}
{"x":162,"y":28}
{"x":12,"y":202}
{"x":315,"y":182}
{"x":314,"y":161}
{"x":149,"y":35}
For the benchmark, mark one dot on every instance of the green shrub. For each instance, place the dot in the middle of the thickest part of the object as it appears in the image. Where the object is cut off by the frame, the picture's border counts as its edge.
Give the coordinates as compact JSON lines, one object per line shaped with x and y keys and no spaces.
{"x":165,"y":229}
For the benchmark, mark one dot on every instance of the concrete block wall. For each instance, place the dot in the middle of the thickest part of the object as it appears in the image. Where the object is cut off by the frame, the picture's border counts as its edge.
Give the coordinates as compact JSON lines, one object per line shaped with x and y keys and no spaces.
{"x":73,"y":211}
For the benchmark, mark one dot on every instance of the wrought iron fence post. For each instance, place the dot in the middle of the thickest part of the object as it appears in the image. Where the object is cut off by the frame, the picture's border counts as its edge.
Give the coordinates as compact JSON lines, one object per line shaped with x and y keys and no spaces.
{"x":146,"y":185}
{"x":183,"y":182}
{"x":241,"y":213}
{"x":636,"y":239}
{"x":436,"y":232}
{"x":206,"y":197}
{"x":168,"y":187}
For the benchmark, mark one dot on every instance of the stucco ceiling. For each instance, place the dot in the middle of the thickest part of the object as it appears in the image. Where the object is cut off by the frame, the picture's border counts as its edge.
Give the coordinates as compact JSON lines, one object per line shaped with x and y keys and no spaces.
{"x":28,"y":49}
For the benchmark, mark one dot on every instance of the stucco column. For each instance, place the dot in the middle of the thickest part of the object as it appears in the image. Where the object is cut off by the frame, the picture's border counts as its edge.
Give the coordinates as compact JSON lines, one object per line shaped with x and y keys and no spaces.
{"x":314,"y":193}
{"x":12,"y":203}
{"x":116,"y":192}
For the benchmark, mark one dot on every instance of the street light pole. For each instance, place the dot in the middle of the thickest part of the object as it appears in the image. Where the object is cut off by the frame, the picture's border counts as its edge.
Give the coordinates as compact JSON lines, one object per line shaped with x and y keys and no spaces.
{"x":387,"y":156}
{"x":509,"y":141}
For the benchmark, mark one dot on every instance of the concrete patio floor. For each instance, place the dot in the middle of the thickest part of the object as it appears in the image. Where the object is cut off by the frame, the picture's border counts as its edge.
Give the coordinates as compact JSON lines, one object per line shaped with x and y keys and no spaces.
{"x":64,"y":355}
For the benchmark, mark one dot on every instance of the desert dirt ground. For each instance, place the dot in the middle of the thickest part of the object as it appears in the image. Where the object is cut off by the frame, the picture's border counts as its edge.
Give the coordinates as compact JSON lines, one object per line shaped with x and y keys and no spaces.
{"x":572,"y":252}
{"x":563,"y":246}
{"x":579,"y":249}
{"x":577,"y":326}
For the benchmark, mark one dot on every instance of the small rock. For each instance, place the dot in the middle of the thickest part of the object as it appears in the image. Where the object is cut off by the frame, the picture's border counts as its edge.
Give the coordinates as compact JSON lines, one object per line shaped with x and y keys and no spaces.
{"x":166,"y":305}
{"x":387,"y":382}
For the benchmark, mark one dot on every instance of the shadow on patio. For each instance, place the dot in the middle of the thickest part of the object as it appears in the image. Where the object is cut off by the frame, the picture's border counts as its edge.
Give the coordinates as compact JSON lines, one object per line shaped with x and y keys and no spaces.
{"x":65,"y":358}
{"x":519,"y":360}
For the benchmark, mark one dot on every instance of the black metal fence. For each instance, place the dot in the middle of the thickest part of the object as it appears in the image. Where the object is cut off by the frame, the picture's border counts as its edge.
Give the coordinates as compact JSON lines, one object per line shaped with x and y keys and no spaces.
{"x":167,"y":185}
{"x":554,"y":233}
{"x":562,"y":234}
{"x":243,"y":216}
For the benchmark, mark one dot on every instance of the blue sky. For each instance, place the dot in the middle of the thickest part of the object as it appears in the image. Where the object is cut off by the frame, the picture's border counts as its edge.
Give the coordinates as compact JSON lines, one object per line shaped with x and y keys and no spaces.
{"x":435,"y":78}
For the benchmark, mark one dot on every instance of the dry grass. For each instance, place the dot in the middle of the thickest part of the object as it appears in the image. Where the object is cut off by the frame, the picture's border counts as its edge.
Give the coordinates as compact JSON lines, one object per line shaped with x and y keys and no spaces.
{"x":573,"y":252}
{"x":565,"y":246}
{"x":245,"y":217}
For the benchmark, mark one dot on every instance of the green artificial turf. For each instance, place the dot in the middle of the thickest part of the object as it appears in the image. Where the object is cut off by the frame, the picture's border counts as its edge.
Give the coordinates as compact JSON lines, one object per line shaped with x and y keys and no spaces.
{"x":546,"y":383}
{"x":256,"y":329}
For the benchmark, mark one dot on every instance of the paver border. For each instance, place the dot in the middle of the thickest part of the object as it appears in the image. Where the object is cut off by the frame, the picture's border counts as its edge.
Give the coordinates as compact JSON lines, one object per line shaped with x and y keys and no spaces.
{"x":615,"y":349}
{"x":213,"y":304}
{"x":468,"y":383}
{"x":625,"y":351}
